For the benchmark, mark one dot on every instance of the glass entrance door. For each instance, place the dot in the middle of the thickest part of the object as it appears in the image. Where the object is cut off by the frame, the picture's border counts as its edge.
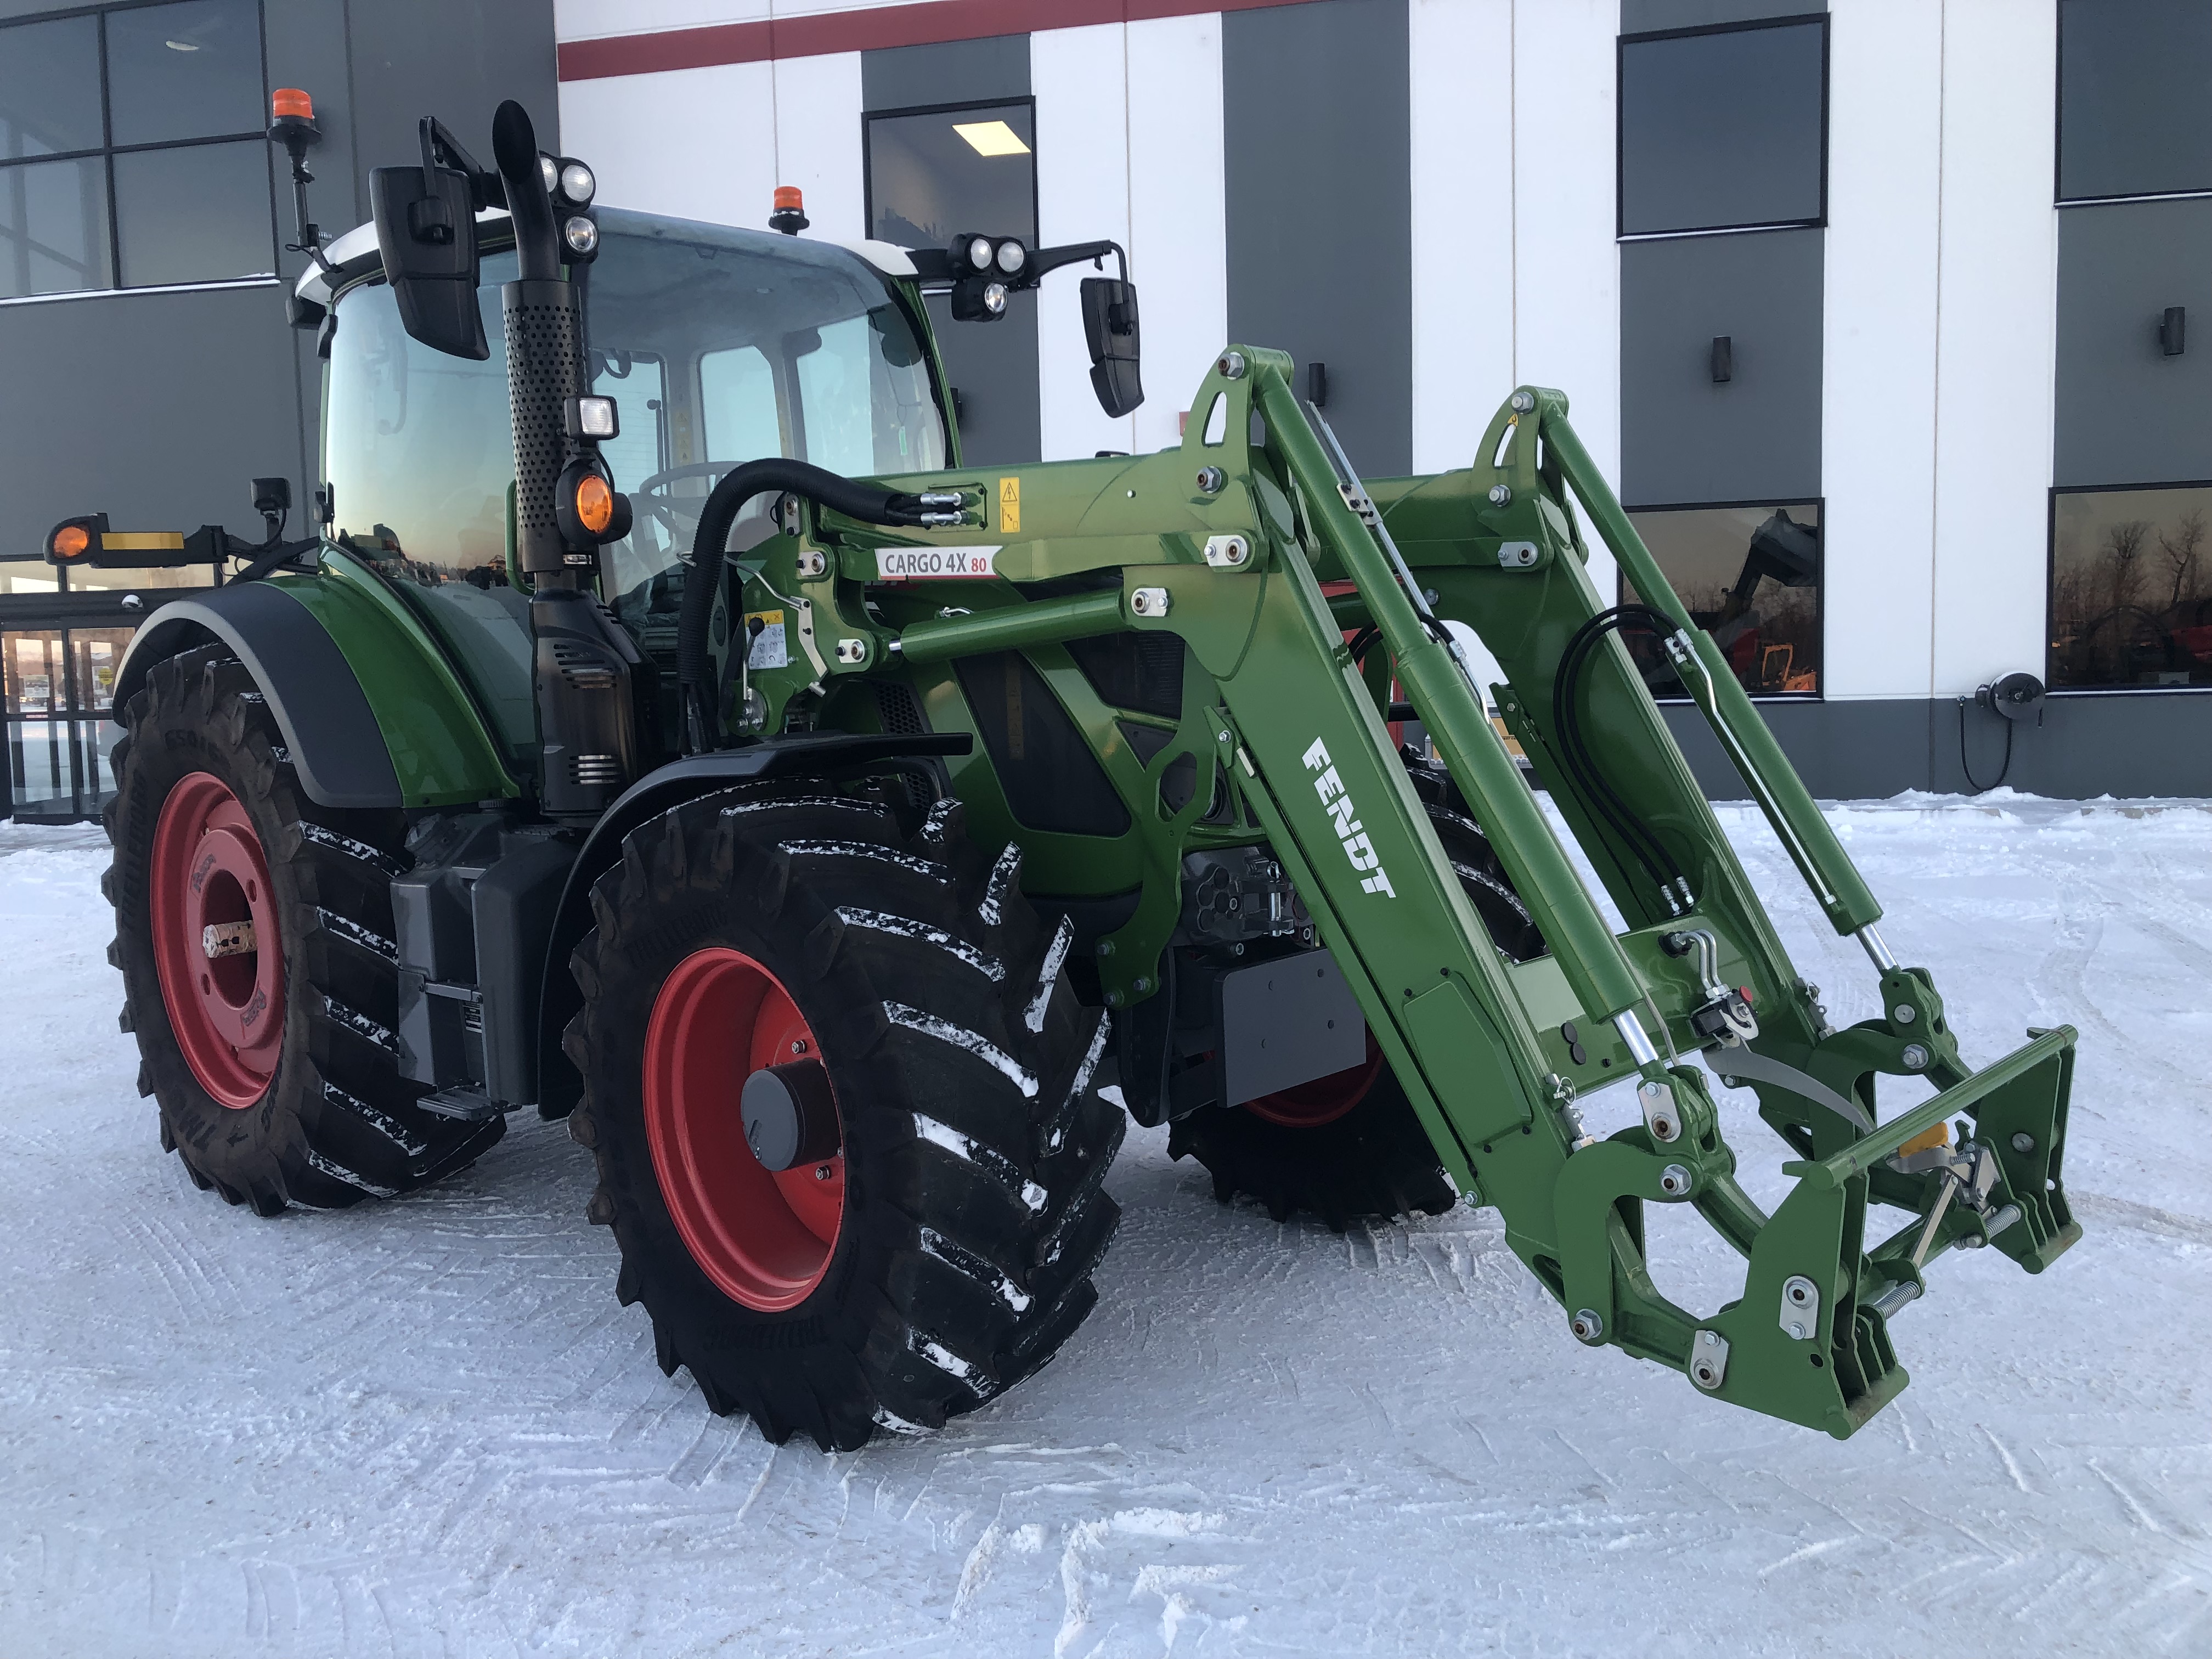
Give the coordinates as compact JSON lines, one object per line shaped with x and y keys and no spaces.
{"x":59,"y":696}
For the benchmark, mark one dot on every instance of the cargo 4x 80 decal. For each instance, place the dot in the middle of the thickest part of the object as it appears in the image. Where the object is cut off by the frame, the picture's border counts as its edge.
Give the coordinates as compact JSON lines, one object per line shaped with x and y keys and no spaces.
{"x":1357,"y":847}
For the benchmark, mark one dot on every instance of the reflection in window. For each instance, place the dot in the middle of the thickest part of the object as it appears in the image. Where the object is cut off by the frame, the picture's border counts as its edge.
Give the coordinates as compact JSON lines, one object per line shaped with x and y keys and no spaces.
{"x":2131,"y":79}
{"x":1750,"y":577}
{"x":2131,"y":587}
{"x":940,"y":174}
{"x":1722,"y":127}
{"x":737,"y":404}
{"x":50,"y":87}
{"x":185,"y":71}
{"x":185,"y":209}
{"x":197,"y":214}
{"x":53,"y":227}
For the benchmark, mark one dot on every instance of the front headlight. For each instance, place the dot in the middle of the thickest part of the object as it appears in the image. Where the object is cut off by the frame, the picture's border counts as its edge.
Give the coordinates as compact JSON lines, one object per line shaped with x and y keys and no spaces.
{"x":978,"y":253}
{"x":581,"y":235}
{"x":1012,"y":256}
{"x":577,"y":182}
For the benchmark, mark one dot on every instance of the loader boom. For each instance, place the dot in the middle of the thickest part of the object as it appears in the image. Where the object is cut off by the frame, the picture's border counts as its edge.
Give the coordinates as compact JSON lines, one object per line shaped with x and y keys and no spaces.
{"x":1227,"y":545}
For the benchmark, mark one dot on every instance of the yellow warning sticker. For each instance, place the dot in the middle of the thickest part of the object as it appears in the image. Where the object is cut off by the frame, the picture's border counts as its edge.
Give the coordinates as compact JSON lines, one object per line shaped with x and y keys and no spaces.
{"x":1010,"y":504}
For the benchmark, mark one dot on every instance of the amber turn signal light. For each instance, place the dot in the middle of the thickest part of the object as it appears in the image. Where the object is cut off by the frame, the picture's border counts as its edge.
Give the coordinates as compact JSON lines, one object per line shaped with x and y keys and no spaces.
{"x":290,"y":101}
{"x":595,"y":503}
{"x":70,"y":541}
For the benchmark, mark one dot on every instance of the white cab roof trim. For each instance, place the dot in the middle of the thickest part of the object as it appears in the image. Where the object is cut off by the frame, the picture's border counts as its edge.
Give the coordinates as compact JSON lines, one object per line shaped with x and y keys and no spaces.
{"x":886,"y":256}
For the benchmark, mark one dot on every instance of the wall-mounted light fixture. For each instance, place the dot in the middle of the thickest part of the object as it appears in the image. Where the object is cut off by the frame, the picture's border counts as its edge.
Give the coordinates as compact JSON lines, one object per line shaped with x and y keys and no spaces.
{"x":1318,"y":384}
{"x":1724,"y":360}
{"x":2173,"y":330}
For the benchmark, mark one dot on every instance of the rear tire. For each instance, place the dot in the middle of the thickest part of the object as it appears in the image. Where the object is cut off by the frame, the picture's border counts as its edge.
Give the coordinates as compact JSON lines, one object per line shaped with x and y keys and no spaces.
{"x":1349,"y":1146}
{"x":947,"y":1250}
{"x":312,"y":1111}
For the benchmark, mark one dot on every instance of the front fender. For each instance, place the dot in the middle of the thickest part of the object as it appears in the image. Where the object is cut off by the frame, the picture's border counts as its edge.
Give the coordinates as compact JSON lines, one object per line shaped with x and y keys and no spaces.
{"x":373,"y":714}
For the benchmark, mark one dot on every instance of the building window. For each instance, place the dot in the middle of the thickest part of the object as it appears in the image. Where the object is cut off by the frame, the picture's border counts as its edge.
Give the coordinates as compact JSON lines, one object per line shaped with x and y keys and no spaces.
{"x":937,"y":174}
{"x":2131,"y":79}
{"x":131,"y":152}
{"x":1750,"y":573}
{"x":1723,"y":128}
{"x":2131,"y":587}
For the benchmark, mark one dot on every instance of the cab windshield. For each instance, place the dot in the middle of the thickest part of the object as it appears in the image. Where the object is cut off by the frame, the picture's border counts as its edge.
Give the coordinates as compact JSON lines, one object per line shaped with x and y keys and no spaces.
{"x":720,"y":346}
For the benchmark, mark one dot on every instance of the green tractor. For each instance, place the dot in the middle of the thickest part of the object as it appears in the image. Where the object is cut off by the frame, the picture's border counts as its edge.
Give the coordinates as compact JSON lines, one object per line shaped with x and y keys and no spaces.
{"x":847,"y":841}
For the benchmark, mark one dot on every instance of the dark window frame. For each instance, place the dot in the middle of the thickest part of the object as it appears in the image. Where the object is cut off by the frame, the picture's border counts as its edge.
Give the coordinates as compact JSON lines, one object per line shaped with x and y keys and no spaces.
{"x":1620,"y":231}
{"x":868,"y":157}
{"x":108,"y":149}
{"x":2051,"y":592}
{"x":1625,"y":596}
{"x":2058,"y":196}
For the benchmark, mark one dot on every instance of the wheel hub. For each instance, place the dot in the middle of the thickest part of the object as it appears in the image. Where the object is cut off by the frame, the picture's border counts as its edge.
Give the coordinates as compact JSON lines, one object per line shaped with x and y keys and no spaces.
{"x":726,"y":1048}
{"x":217,"y":948}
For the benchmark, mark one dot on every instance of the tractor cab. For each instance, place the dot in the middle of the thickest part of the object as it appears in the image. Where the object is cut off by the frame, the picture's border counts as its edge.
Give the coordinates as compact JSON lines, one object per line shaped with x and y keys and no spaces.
{"x":716,"y":346}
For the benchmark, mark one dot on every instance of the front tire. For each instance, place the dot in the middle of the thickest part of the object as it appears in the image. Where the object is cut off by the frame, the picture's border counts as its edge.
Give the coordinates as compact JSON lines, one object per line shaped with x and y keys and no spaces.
{"x":253,"y":931}
{"x":935,"y":1246}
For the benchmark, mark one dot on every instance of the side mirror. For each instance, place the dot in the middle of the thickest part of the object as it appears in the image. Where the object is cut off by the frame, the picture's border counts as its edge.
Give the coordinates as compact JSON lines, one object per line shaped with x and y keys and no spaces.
{"x":426,"y":235}
{"x":1109,"y":328}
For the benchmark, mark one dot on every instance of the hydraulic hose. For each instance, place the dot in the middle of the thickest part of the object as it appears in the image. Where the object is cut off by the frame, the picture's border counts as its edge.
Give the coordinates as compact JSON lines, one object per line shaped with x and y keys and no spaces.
{"x":1582,"y":765}
{"x":867,"y":502}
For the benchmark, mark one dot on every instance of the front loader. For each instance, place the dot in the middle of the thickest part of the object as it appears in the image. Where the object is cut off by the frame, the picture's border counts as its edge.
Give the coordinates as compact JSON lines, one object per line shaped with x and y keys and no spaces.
{"x":847,"y":841}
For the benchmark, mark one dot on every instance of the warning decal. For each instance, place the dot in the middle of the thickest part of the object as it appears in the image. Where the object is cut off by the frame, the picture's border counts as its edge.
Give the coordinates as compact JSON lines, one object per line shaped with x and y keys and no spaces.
{"x":1010,"y":505}
{"x":900,"y":564}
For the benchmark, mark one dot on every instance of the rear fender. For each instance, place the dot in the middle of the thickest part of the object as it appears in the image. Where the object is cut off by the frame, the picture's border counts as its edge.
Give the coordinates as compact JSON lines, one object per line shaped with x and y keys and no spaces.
{"x":372,"y":714}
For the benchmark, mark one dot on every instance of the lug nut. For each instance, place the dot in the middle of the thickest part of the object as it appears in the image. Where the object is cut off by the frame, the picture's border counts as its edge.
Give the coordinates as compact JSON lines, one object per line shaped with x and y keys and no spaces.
{"x":822,"y":1172}
{"x":1586,"y":1326}
{"x":1673,"y":1181}
{"x":1211,"y":479}
{"x":1914,"y":1057}
{"x":1500,"y":495}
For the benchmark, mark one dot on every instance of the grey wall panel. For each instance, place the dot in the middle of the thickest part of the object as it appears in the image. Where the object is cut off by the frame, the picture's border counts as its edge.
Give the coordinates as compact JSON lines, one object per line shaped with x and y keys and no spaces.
{"x":2132,"y":744}
{"x":2131,"y":80}
{"x":415,"y":57}
{"x":182,"y":398}
{"x":2127,"y":413}
{"x":1320,"y":208}
{"x":950,"y":72}
{"x":1638,"y":16}
{"x":1756,"y":438}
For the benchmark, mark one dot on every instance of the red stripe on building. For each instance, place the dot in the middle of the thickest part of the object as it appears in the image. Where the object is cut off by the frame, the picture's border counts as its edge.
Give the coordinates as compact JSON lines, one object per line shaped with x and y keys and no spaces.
{"x":866,"y":30}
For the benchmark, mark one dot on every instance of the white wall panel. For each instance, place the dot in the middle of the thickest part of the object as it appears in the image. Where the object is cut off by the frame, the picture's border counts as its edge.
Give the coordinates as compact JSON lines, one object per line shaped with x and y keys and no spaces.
{"x":1566,"y":329}
{"x":586,"y":20}
{"x":1994,"y":359}
{"x":696,"y":144}
{"x":1081,"y":78}
{"x":1178,"y":233}
{"x":1878,"y":388}
{"x":1462,"y":87}
{"x":817,"y":129}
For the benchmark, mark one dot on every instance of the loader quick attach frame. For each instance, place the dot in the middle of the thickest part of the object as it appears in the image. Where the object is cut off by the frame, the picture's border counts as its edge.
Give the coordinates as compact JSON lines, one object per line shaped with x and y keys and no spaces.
{"x":1228,"y":542}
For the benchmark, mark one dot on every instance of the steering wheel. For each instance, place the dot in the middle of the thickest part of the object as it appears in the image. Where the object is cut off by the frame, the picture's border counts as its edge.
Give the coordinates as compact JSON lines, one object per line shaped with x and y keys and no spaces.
{"x":676,"y":515}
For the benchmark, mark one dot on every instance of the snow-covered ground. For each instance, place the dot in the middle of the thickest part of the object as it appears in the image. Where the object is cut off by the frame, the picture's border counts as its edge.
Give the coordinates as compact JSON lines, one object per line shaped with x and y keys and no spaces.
{"x":426,"y":1428}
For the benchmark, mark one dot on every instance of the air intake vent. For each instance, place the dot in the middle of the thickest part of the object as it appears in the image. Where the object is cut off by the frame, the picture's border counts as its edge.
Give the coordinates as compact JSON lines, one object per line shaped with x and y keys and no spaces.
{"x":584,"y":668}
{"x":597,"y":770}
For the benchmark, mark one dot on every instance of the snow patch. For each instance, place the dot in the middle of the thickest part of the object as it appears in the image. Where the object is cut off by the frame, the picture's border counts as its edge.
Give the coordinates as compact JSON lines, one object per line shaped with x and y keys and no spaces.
{"x":960,"y":1037}
{"x":1004,"y":874}
{"x":864,"y":849}
{"x":883,"y":921}
{"x":1048,"y":973}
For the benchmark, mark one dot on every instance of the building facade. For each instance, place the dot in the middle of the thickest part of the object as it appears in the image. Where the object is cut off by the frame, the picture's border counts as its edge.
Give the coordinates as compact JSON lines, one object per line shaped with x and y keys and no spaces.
{"x":142,"y":271}
{"x":1877,"y":311}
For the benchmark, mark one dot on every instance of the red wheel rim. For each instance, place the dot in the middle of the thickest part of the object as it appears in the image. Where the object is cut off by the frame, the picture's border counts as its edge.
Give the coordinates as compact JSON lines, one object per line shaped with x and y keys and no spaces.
{"x":1325,"y":1099}
{"x":209,"y":874}
{"x":764,"y":1237}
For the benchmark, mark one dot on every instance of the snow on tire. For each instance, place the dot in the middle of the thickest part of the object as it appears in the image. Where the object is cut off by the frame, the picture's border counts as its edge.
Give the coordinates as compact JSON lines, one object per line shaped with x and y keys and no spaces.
{"x":935,"y":1245}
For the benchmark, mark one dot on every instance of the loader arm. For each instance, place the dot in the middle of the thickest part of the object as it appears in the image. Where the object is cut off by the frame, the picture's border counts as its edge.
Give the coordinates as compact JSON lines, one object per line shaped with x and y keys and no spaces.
{"x":1226,"y":542}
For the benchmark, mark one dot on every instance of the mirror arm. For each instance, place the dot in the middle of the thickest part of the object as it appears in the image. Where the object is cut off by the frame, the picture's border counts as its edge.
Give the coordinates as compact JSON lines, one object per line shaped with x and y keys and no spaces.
{"x":1045,"y":260}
